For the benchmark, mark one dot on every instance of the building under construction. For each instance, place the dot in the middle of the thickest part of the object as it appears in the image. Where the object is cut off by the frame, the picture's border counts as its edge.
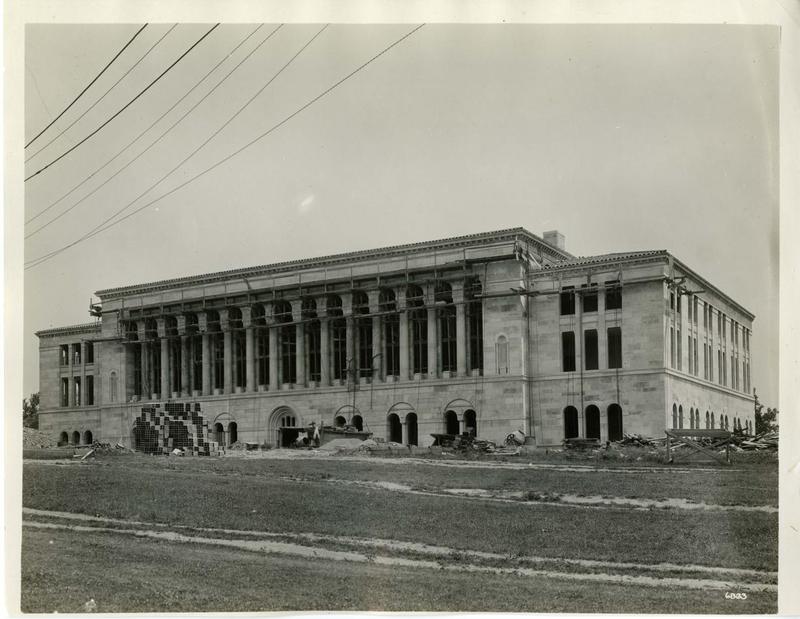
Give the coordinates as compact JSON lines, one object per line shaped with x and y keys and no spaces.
{"x":487,"y":333}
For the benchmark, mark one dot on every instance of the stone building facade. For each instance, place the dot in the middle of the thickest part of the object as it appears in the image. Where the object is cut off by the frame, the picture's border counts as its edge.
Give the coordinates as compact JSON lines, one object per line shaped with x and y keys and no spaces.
{"x":488,"y":333}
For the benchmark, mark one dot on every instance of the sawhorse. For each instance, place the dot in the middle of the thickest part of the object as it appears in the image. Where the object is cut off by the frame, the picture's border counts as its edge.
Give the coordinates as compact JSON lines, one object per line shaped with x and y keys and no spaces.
{"x":720,"y":438}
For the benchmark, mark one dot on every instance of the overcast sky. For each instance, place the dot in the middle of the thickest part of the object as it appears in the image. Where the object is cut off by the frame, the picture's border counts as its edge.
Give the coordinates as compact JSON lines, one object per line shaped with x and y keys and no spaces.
{"x":622,"y":137}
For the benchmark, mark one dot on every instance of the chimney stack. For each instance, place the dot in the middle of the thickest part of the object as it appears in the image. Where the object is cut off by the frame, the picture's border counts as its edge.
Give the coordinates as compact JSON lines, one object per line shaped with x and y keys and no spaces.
{"x":554,"y":238}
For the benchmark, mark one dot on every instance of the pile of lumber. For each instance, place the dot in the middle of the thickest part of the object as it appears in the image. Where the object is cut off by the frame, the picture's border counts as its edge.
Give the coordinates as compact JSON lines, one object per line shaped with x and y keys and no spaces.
{"x":640,"y":441}
{"x":766,"y":441}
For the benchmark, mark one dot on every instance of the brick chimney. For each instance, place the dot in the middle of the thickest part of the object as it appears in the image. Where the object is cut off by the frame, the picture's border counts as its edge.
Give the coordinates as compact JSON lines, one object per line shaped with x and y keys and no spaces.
{"x":554,"y":238}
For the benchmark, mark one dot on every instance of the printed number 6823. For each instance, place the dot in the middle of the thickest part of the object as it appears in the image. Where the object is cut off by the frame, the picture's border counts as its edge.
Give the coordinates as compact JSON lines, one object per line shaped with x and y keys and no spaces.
{"x":735,"y":596}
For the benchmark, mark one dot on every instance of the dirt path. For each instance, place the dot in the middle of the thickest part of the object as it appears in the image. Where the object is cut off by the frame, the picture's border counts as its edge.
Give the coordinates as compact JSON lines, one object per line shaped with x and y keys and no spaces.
{"x":407,"y":554}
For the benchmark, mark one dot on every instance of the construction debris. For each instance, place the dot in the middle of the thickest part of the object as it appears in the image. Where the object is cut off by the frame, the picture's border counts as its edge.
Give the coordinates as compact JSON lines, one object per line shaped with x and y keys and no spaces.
{"x":36,"y":439}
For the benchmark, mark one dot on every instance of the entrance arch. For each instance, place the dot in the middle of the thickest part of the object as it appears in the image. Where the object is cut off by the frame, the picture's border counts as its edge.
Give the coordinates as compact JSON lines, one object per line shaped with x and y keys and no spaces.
{"x":571,"y":422}
{"x":411,"y":429}
{"x":76,"y":438}
{"x":614,"y":422}
{"x":394,"y":429}
{"x":451,"y":425}
{"x":87,"y":437}
{"x":219,"y":434}
{"x":285,"y":426}
{"x":63,"y":438}
{"x":471,"y":422}
{"x":592,"y":422}
{"x":233,"y":433}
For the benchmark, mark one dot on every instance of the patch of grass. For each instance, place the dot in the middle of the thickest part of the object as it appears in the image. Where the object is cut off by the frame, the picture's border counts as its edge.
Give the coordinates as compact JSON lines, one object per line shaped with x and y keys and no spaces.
{"x":61,"y":573}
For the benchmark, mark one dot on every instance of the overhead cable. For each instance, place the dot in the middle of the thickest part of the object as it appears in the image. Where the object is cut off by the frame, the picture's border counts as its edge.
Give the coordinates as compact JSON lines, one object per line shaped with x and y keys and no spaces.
{"x":103,"y":227}
{"x":110,"y":62}
{"x":153,"y":124}
{"x":127,"y":105}
{"x":103,"y":96}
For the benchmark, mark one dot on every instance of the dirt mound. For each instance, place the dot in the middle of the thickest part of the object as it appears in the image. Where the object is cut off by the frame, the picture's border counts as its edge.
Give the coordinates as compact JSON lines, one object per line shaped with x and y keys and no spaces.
{"x":341,"y":443}
{"x":36,"y":439}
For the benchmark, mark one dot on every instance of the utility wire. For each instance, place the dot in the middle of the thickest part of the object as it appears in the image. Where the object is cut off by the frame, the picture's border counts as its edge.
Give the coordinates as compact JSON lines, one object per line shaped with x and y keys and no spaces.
{"x":138,"y":32}
{"x":127,"y":105}
{"x":103,"y":227}
{"x":148,"y":129}
{"x":103,"y":96}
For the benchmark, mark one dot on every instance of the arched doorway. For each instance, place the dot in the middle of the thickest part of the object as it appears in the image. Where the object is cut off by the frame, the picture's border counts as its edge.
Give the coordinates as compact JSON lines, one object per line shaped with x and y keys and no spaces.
{"x":592,"y":422}
{"x":76,"y":438}
{"x":451,"y":425}
{"x":285,"y":426}
{"x":571,"y":422}
{"x":87,"y":438}
{"x":63,"y":438}
{"x":614,"y":422}
{"x":358,"y":422}
{"x":219,"y":433}
{"x":233,"y":433}
{"x":394,"y":429}
{"x":411,"y":429}
{"x":340,"y":421}
{"x":471,"y":422}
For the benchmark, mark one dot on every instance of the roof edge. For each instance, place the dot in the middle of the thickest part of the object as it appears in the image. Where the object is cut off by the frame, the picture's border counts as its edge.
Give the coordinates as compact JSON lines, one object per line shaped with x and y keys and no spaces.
{"x":87,"y":327}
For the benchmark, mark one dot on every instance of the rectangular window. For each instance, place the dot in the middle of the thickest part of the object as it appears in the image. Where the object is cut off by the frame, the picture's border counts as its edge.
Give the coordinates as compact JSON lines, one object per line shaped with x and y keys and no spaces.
{"x":78,"y":394}
{"x":196,"y":343}
{"x":689,"y":306}
{"x":568,"y":351}
{"x":613,"y":295}
{"x":678,"y":304}
{"x":63,"y":355}
{"x":447,"y":334}
{"x":364,"y":333}
{"x":689,"y":349}
{"x":710,"y":363}
{"x":567,"y":301}
{"x":89,"y":397}
{"x":724,"y":327}
{"x":695,"y":301}
{"x":89,"y":352}
{"x":65,"y":392}
{"x":679,"y":352}
{"x":137,"y":370}
{"x":339,"y":337}
{"x":614,"y":347}
{"x":288,"y":345}
{"x":672,"y":300}
{"x":672,"y":347}
{"x":76,"y":354}
{"x":313,"y":339}
{"x":705,"y":316}
{"x":589,"y":297}
{"x":475,"y":318}
{"x":419,"y":340}
{"x":724,"y":369}
{"x":705,"y":360}
{"x":696,"y":369}
{"x":262,"y":356}
{"x":218,"y":344}
{"x":238,"y":346}
{"x":590,"y":349}
{"x":391,"y":325}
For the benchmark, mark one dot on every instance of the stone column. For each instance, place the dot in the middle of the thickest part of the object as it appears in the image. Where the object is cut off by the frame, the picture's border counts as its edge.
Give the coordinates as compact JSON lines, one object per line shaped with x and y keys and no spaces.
{"x":249,"y":350}
{"x":433,"y":342}
{"x":404,"y":425}
{"x":300,"y":344}
{"x":377,"y":345}
{"x":324,"y":342}
{"x":144,"y":369}
{"x":227,"y":362}
{"x":165,"y":373}
{"x":403,"y":333}
{"x":183,"y":348}
{"x":347,"y":310}
{"x":461,"y":328}
{"x":83,"y":397}
{"x":202,"y":320}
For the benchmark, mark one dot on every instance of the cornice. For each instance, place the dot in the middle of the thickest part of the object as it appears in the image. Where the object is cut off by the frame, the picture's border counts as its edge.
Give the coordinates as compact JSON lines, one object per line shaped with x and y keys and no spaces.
{"x":89,"y":327}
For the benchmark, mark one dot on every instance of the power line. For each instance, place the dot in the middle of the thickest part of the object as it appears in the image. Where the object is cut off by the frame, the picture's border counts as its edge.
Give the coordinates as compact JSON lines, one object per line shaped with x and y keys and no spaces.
{"x":103,"y":227}
{"x":138,"y":32}
{"x":103,"y":96}
{"x":127,"y":105}
{"x":153,"y":124}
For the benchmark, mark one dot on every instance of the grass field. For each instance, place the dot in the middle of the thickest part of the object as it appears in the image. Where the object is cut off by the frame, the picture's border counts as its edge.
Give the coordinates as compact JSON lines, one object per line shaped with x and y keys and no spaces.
{"x":241,"y":533}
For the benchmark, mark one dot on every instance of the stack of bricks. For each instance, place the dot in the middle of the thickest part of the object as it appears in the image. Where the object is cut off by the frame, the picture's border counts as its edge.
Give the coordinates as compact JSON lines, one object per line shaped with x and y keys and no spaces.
{"x":177,"y":426}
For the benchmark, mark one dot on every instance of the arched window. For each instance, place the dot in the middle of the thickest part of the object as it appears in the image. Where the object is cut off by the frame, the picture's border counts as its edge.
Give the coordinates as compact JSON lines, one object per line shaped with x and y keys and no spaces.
{"x":358,"y":422}
{"x":691,"y":418}
{"x":680,"y":416}
{"x":76,"y":438}
{"x":674,"y":415}
{"x":219,"y":433}
{"x":571,"y":422}
{"x":713,"y":424}
{"x":394,"y":429}
{"x":87,"y":438}
{"x":340,"y":421}
{"x":501,"y":348}
{"x":113,"y":387}
{"x":592,"y":420}
{"x":63,"y":439}
{"x":708,"y":420}
{"x":233,"y":433}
